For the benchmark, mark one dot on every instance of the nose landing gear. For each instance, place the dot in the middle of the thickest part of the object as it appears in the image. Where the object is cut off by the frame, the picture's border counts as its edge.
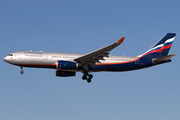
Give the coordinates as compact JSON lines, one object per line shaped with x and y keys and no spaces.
{"x":21,"y":70}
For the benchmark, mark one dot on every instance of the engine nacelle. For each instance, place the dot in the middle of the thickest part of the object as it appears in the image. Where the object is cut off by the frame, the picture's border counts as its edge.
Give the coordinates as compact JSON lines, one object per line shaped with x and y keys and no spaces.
{"x":60,"y":73}
{"x":66,"y":65}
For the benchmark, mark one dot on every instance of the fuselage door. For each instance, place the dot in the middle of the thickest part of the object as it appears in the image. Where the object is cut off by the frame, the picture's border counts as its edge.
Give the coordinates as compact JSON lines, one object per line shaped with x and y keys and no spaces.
{"x":20,"y":55}
{"x":45,"y":56}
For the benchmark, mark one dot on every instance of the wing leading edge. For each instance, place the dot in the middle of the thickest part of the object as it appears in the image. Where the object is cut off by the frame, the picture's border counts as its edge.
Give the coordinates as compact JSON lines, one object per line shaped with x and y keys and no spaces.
{"x":93,"y":57}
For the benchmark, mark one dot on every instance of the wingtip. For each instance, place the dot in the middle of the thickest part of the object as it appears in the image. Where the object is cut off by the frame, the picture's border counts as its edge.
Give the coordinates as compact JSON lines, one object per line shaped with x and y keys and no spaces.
{"x":120,"y":40}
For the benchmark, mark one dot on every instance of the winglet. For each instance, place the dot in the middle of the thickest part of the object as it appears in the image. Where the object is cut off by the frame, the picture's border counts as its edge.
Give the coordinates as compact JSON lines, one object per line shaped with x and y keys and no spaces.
{"x":120,"y":40}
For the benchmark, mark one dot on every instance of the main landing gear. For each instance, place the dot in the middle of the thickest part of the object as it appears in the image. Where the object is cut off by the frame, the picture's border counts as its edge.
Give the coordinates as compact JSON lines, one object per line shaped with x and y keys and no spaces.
{"x":21,"y":70}
{"x":87,"y":76}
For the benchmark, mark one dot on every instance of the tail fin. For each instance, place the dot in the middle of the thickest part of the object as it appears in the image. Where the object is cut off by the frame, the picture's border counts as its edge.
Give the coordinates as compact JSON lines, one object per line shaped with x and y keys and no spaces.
{"x":161,"y":48}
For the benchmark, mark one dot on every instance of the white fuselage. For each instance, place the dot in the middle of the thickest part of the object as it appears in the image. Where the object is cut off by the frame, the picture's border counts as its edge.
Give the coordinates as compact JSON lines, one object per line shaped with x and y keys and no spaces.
{"x":48,"y":59}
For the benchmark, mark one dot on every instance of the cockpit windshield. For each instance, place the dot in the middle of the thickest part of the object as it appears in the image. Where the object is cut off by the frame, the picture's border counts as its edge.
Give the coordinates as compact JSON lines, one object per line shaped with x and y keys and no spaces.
{"x":10,"y":55}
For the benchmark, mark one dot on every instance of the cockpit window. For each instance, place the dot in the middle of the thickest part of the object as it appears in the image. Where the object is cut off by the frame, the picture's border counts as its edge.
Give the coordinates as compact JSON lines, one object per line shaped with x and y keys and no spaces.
{"x":10,"y":55}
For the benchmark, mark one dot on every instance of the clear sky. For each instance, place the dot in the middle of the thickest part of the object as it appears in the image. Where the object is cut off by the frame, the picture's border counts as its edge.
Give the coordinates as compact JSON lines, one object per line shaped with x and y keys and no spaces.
{"x":81,"y":26}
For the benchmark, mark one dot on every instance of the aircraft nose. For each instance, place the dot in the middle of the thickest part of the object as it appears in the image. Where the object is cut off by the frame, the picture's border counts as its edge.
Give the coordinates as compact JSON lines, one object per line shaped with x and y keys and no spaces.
{"x":5,"y":59}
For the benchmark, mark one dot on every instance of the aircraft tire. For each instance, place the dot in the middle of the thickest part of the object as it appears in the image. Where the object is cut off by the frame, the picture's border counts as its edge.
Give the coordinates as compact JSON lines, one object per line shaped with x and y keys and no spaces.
{"x":89,"y":80}
{"x":21,"y":71}
{"x":91,"y":76}
{"x":84,"y":77}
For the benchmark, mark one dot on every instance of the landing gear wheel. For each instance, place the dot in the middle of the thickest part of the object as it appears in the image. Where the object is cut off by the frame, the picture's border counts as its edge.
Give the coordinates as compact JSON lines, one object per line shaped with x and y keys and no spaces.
{"x":21,"y":71}
{"x":84,"y":77}
{"x":91,"y":76}
{"x":89,"y":80}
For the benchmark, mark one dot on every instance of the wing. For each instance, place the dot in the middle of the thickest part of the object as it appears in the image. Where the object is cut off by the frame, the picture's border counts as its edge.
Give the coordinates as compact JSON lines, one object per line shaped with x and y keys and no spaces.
{"x":95,"y":56}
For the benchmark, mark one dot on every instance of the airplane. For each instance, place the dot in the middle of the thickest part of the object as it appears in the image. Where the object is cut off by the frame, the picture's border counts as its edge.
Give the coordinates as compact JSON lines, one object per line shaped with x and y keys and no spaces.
{"x":67,"y":64}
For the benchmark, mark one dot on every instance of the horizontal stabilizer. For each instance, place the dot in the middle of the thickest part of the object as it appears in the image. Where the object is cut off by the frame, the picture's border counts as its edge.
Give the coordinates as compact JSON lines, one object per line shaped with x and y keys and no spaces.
{"x":162,"y":59}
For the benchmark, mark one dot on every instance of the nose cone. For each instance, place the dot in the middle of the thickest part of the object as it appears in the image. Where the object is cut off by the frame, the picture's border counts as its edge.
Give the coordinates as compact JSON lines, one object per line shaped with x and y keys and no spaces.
{"x":5,"y":59}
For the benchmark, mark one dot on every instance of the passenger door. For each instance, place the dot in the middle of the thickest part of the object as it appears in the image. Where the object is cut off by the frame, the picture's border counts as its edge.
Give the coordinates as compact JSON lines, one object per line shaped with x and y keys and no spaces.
{"x":45,"y":56}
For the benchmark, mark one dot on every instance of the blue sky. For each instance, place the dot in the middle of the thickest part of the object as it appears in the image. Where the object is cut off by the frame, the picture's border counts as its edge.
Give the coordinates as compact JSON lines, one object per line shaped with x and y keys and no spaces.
{"x":81,"y":27}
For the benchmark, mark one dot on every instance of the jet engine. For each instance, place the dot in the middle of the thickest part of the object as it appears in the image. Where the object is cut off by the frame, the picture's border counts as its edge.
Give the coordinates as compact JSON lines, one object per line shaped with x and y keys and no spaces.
{"x":66,"y":65}
{"x":60,"y":73}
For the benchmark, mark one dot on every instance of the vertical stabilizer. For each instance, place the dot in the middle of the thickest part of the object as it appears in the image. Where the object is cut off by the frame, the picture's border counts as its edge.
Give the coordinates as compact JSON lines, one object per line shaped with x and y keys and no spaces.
{"x":161,"y":48}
